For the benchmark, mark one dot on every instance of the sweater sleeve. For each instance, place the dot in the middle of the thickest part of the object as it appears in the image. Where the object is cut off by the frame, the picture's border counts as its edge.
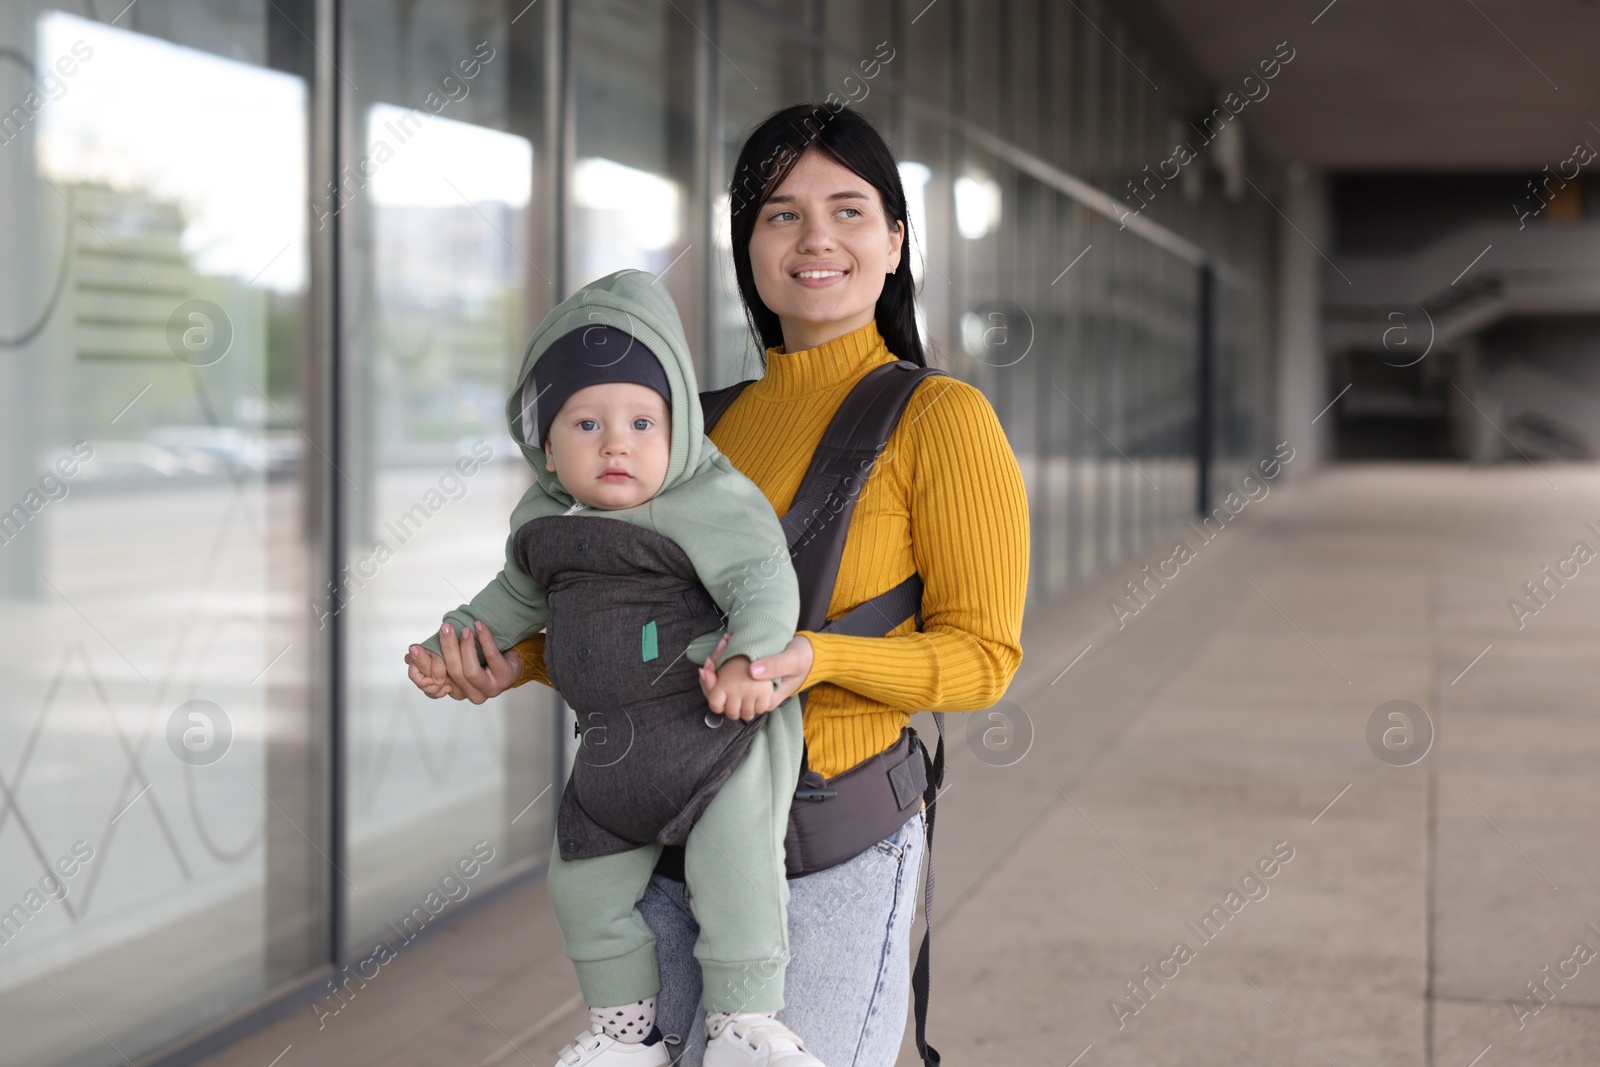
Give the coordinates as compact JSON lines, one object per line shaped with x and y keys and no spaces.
{"x":970,"y":540}
{"x":533,"y":668}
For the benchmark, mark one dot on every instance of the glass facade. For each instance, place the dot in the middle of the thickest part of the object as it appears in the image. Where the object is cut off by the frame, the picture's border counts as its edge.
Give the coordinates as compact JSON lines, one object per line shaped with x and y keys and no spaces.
{"x":269,"y":271}
{"x":164,"y":797}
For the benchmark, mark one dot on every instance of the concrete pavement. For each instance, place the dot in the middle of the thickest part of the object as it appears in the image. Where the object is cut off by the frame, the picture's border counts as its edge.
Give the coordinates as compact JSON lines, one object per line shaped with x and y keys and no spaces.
{"x":1221,"y":734}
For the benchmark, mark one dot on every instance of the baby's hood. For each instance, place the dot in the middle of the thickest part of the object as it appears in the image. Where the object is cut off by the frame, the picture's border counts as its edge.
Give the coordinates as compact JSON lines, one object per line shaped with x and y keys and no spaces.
{"x":636,"y":303}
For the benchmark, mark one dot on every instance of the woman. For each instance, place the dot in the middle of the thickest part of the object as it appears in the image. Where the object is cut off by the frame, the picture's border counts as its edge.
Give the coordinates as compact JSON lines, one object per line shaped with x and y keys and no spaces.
{"x":823,"y":262}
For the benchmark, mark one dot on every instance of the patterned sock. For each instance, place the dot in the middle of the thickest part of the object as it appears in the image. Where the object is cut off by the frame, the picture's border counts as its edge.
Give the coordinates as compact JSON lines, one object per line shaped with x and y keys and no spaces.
{"x":630,"y":1024}
{"x":714,"y":1019}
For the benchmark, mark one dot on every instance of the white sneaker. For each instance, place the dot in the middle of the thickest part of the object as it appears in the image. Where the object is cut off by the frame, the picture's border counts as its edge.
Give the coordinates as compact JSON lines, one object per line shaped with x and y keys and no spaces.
{"x":597,"y":1049}
{"x":750,"y":1039}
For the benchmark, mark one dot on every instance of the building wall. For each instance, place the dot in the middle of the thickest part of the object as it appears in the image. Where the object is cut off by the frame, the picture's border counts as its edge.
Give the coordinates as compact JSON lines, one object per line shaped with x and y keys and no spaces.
{"x":265,"y":288}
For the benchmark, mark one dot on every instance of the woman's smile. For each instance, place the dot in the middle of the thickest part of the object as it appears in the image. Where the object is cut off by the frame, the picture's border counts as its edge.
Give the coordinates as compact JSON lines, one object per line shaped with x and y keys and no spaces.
{"x":820,"y":275}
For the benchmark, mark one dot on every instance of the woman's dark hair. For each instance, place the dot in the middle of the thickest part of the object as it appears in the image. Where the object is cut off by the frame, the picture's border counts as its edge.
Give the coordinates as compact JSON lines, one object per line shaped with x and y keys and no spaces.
{"x":850,"y":140}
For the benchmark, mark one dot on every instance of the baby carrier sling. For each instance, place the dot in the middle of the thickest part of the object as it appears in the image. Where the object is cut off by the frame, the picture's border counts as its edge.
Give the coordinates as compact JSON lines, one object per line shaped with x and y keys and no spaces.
{"x":833,"y":820}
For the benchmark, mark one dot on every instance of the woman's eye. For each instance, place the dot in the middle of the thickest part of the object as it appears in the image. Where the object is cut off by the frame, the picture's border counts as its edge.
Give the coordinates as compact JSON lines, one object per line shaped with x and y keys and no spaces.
{"x":854,"y":209}
{"x":778,"y":216}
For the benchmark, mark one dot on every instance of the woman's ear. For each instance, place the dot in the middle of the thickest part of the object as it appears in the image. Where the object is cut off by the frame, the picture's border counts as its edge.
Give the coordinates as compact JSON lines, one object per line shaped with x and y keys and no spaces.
{"x":897,"y":240}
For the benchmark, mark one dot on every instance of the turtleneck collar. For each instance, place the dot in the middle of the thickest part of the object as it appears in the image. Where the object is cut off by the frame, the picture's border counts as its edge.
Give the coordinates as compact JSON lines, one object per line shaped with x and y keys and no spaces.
{"x":832,"y":363}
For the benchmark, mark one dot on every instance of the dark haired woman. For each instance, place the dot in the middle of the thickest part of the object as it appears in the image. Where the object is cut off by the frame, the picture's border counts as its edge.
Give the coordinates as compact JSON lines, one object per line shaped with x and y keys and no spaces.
{"x":823,"y":262}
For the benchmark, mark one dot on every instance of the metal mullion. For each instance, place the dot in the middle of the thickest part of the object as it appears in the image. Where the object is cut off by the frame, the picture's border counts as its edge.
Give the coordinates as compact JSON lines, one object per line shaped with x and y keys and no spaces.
{"x":328,"y":117}
{"x":714,"y":161}
{"x":564,"y":128}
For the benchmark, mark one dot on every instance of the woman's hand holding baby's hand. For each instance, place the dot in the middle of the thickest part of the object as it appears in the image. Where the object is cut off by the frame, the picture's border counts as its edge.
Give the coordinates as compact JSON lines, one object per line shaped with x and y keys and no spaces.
{"x":793,"y":665}
{"x":457,"y":673}
{"x":732,"y":692}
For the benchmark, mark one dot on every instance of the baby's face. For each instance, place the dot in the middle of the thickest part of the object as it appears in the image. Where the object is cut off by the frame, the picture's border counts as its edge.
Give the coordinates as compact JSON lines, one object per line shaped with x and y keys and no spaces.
{"x":610,"y":443}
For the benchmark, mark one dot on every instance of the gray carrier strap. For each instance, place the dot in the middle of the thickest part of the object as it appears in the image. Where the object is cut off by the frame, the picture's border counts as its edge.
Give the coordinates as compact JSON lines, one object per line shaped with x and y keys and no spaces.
{"x":818,"y":519}
{"x":881,"y":614}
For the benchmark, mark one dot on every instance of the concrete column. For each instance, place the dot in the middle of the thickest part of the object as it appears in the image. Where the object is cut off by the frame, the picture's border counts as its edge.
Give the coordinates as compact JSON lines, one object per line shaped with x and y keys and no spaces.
{"x":1302,"y":370}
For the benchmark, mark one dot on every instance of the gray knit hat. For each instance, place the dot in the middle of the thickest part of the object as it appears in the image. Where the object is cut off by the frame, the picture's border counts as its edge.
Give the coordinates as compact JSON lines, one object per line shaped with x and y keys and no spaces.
{"x":589,"y":356}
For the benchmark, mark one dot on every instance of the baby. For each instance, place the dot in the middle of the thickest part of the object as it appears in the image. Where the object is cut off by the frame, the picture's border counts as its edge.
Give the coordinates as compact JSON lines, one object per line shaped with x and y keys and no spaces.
{"x":630,"y":609}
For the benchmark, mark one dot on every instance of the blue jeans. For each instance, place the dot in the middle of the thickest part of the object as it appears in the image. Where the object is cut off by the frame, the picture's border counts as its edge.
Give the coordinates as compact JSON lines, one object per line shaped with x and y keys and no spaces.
{"x":849,"y":976}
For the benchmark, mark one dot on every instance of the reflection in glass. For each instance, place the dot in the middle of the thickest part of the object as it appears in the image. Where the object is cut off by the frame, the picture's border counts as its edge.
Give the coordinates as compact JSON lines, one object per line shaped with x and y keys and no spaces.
{"x":442,"y":283}
{"x":626,"y":218}
{"x":154,"y":556}
{"x":638,"y":148}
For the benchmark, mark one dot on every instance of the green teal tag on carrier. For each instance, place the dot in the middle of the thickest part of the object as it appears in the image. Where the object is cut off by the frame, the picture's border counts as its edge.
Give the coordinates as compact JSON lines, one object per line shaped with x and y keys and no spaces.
{"x":649,"y":641}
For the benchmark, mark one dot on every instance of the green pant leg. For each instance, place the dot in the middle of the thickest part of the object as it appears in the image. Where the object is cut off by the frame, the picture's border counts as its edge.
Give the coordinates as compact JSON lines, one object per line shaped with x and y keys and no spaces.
{"x":607,"y":940}
{"x":734,"y":864}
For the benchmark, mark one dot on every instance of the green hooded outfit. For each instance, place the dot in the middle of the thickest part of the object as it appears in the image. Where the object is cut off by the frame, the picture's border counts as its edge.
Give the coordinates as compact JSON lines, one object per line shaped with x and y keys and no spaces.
{"x":631,"y":608}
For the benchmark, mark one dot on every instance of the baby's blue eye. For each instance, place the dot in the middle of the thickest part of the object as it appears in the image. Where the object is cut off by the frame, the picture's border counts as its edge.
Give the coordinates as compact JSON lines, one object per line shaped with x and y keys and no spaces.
{"x":584,"y":424}
{"x":646,"y":426}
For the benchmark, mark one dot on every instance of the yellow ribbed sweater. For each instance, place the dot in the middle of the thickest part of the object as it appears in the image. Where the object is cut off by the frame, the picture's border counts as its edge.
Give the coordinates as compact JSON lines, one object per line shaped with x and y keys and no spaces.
{"x":946,"y":500}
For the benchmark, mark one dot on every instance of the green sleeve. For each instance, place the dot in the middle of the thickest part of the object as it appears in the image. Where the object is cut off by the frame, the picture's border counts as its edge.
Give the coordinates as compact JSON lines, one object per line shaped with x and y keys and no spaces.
{"x":513,"y":605}
{"x":729,"y":532}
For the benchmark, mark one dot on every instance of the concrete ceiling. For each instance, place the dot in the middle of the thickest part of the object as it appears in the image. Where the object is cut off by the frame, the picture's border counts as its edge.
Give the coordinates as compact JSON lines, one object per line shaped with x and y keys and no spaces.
{"x":1407,"y":84}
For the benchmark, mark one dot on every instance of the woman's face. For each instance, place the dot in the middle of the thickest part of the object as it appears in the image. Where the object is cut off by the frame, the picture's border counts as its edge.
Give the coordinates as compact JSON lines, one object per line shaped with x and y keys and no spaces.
{"x":821,"y":249}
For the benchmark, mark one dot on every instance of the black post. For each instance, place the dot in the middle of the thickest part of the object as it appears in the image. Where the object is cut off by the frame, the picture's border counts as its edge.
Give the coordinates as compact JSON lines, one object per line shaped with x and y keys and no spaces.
{"x":1205,"y":374}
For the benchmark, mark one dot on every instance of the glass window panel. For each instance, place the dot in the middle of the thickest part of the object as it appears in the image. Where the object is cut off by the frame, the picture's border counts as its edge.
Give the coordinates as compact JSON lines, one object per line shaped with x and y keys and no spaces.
{"x":637,"y":152}
{"x":1065,"y":384}
{"x":982,"y":67}
{"x":1133,"y":308}
{"x":446,"y":270}
{"x":930,"y":53}
{"x":1026,"y":91}
{"x":1098,"y":394}
{"x":979,"y":201}
{"x":927,"y":177}
{"x":1115,"y":423}
{"x":848,"y":84}
{"x":783,"y":61}
{"x":800,"y":12}
{"x":1091,"y":98}
{"x":1060,"y":82}
{"x":856,"y":27}
{"x":157,"y":527}
{"x":1028,"y":232}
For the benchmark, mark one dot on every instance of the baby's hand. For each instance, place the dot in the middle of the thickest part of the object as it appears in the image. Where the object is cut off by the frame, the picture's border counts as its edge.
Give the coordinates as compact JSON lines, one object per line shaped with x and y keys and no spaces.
{"x":427,"y":671}
{"x":736,"y":695}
